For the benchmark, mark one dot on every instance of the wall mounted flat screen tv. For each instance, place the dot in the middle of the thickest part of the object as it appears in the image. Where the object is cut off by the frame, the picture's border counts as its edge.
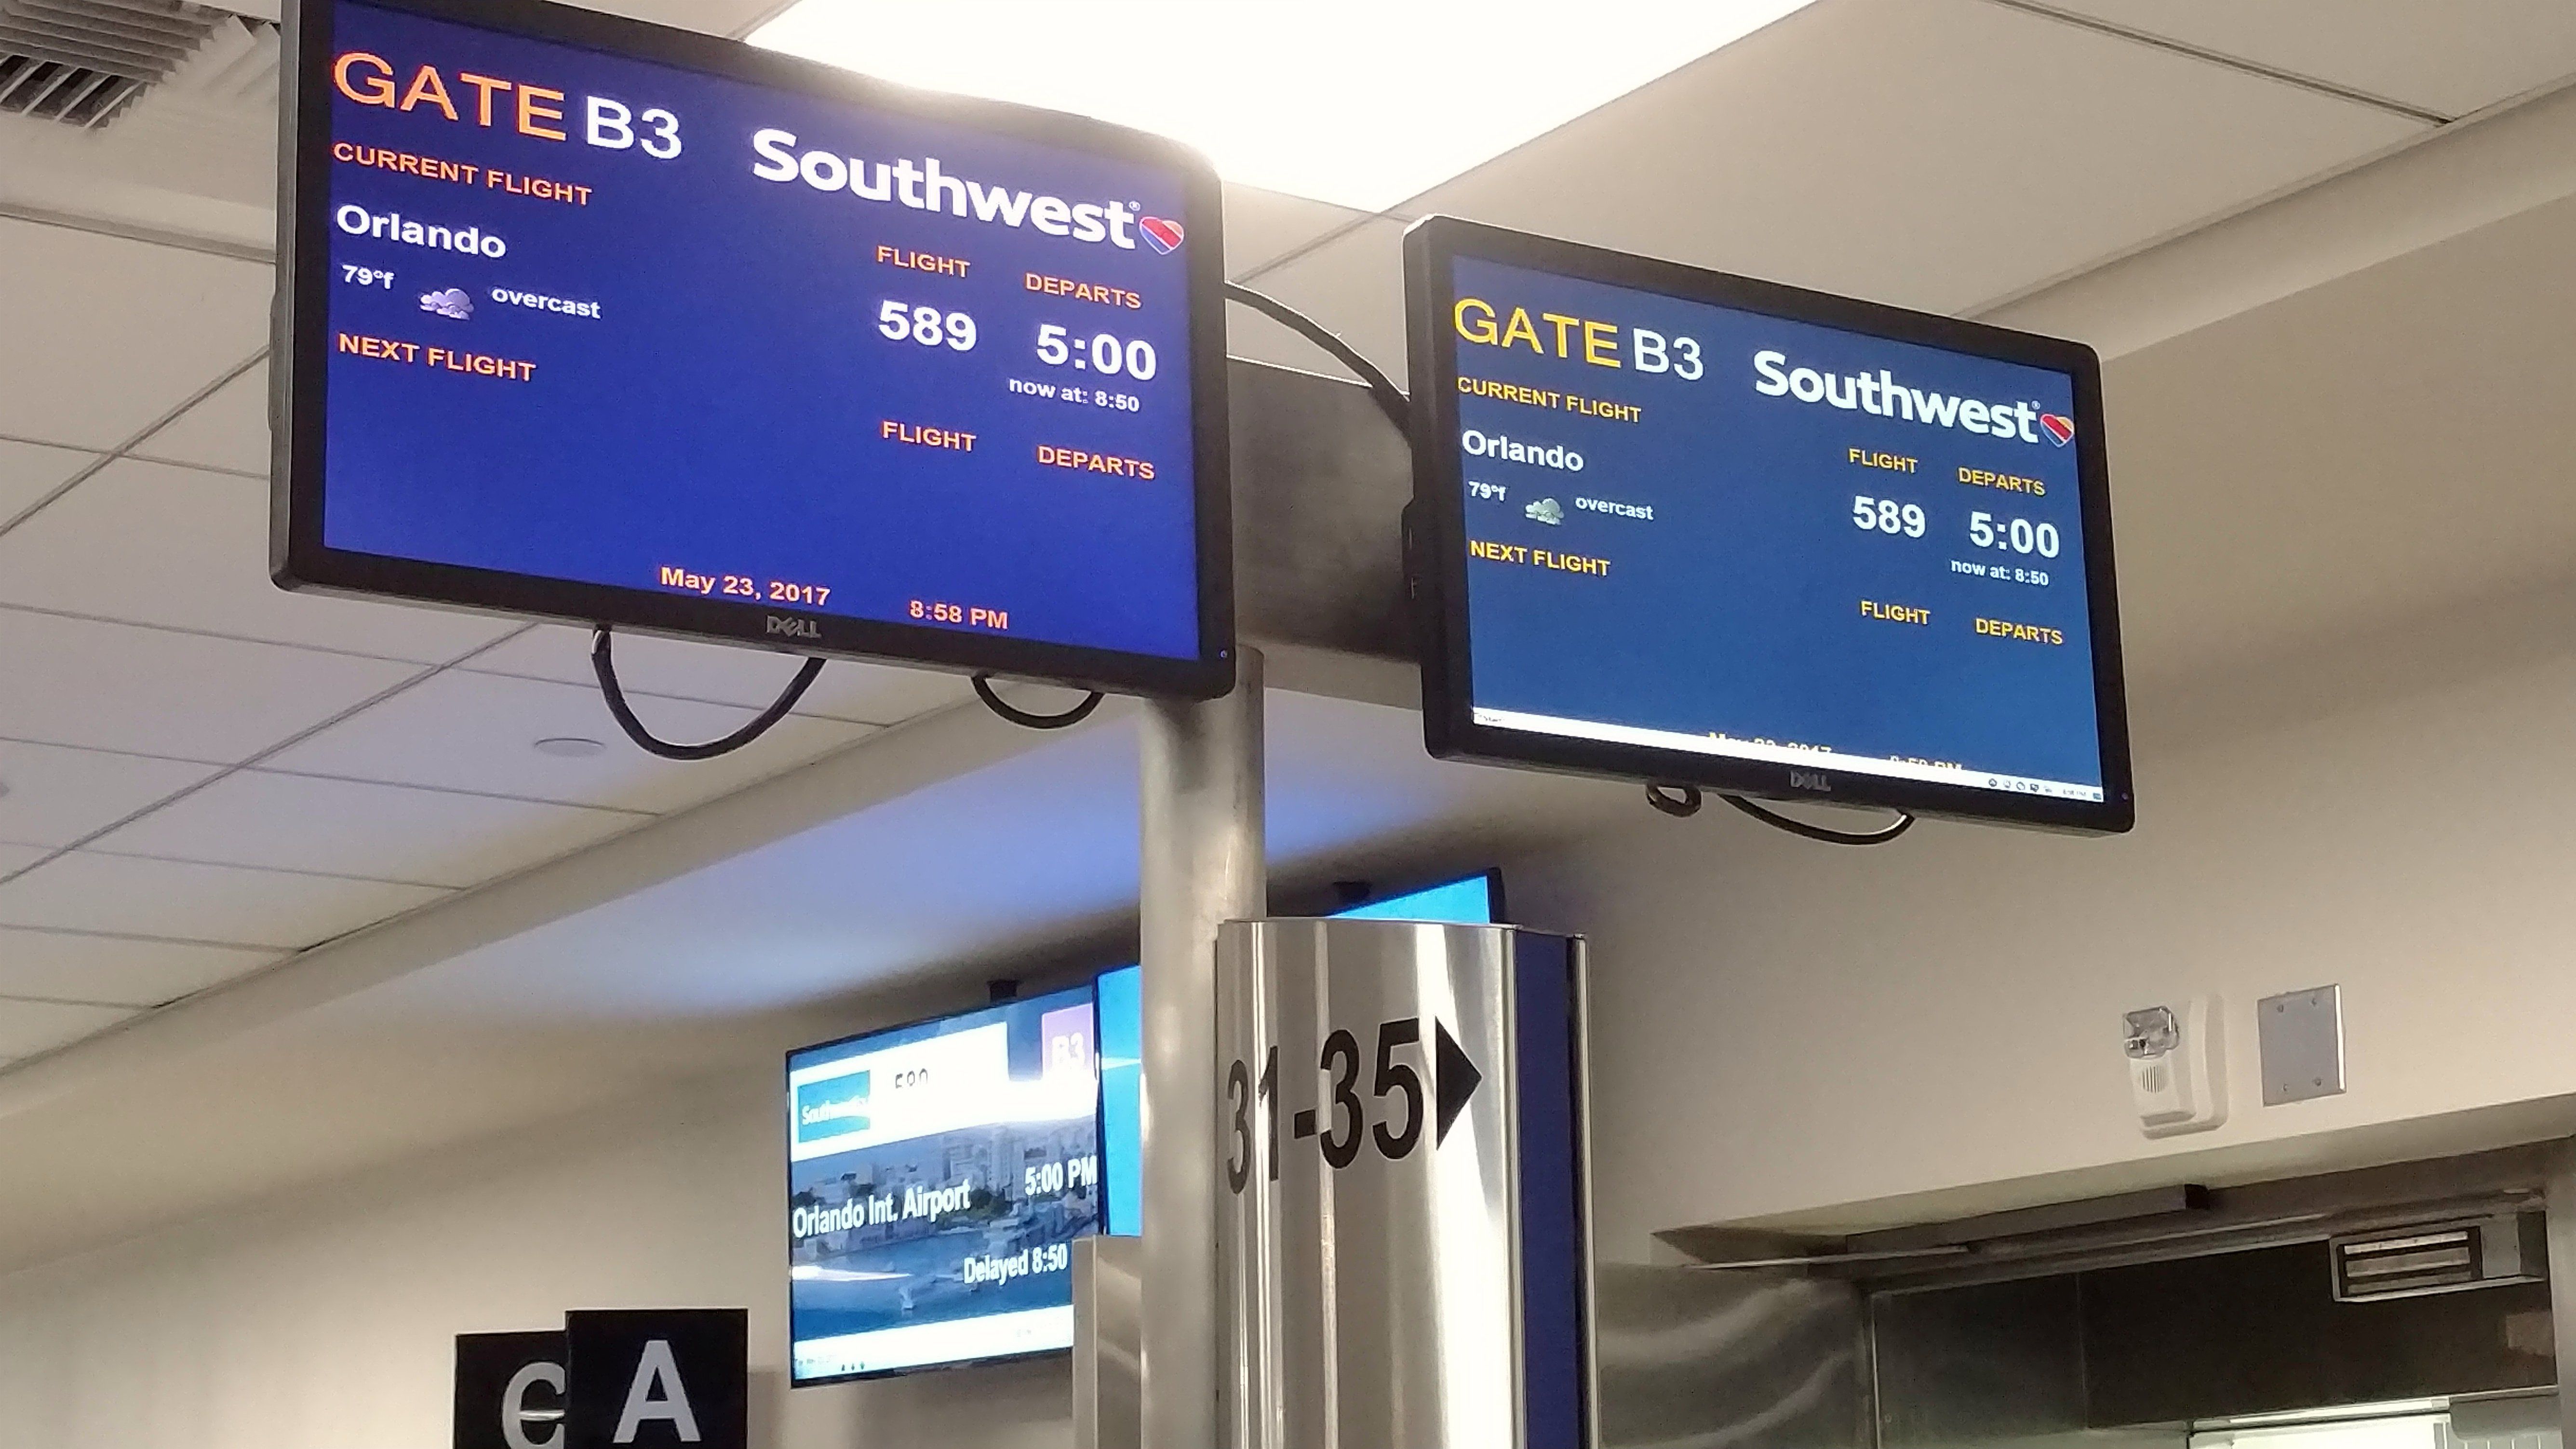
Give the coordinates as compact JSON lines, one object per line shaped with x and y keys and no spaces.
{"x":596,"y":320}
{"x":1684,"y":527}
{"x":1476,"y":899}
{"x":937,"y":1177}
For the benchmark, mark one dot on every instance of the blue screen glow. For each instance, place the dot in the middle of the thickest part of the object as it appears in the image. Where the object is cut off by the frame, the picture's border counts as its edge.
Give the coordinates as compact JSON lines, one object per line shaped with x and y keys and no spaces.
{"x":1122,"y":1042}
{"x":1692,"y":527}
{"x":602,"y":321}
{"x":937,"y":1177}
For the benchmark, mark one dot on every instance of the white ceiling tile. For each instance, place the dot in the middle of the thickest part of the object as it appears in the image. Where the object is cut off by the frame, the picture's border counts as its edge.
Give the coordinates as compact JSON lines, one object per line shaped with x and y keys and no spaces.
{"x":344,"y":827}
{"x":29,"y":471}
{"x":2449,"y":56}
{"x":154,"y":692}
{"x":185,"y":900}
{"x":876,"y":694}
{"x":709,"y":17}
{"x":227,"y":430}
{"x":1933,"y":153}
{"x":1353,"y":285}
{"x":29,"y":1027}
{"x":130,"y":331}
{"x":54,"y":795}
{"x":149,"y":543}
{"x":464,"y":731}
{"x":1262,"y":225}
{"x":115,"y":970}
{"x":2312,"y":423}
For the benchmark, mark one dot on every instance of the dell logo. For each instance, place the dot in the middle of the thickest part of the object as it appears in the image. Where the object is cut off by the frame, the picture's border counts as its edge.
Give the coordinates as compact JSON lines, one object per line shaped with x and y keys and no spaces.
{"x":1814,"y":780}
{"x":795,"y":628}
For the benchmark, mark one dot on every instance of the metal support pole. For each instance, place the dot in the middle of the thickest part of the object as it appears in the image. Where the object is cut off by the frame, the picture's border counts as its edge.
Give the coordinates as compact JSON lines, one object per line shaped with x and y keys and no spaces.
{"x":1201,"y":788}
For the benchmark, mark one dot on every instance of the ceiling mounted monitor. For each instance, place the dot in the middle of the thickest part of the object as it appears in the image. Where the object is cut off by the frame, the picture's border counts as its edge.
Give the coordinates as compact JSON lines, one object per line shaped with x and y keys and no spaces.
{"x":937,"y":1177}
{"x":595,"y":320}
{"x":1689,"y":528}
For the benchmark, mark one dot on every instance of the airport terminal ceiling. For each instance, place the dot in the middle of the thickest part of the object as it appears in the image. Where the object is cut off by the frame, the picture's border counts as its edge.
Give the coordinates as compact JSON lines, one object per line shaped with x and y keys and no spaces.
{"x":437,"y":878}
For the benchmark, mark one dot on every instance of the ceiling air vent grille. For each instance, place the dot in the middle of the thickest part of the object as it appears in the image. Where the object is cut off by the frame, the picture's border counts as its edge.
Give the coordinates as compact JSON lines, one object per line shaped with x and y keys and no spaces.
{"x":81,"y":61}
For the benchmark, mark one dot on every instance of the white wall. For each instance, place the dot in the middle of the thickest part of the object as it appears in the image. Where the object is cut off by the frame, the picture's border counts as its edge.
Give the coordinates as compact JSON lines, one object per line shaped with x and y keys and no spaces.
{"x":1788,"y":1030}
{"x":328,"y":1322}
{"x":1783,"y":1031}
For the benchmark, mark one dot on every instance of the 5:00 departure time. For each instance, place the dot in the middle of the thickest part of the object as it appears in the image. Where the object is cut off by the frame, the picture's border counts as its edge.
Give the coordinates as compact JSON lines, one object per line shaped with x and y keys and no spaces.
{"x":1106,"y":354}
{"x":2019,"y":535}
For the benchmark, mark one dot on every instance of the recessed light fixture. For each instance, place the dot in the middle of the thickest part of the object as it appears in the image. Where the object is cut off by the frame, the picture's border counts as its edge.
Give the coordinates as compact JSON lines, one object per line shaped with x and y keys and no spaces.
{"x":570,"y":747}
{"x":1360,"y":102}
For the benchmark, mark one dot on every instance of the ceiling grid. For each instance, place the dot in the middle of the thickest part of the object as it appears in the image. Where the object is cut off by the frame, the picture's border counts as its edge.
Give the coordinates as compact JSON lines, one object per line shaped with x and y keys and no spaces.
{"x":2249,"y":66}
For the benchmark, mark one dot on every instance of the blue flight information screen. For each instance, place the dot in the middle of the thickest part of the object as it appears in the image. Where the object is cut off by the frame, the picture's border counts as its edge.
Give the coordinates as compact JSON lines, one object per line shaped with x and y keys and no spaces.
{"x":613,"y":322}
{"x":1696,"y":528}
{"x":938,"y":1175}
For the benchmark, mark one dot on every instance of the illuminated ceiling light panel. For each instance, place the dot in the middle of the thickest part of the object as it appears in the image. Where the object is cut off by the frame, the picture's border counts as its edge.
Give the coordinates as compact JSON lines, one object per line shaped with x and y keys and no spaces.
{"x":1364,"y":103}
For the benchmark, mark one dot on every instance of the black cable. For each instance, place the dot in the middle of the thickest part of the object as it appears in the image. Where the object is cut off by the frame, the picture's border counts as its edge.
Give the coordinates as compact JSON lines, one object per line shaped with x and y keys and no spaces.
{"x":1683,"y":801}
{"x":605,"y":667}
{"x":1681,"y":806}
{"x":1904,"y":823}
{"x":1390,"y":398}
{"x":1026,"y":720}
{"x":1679,"y":801}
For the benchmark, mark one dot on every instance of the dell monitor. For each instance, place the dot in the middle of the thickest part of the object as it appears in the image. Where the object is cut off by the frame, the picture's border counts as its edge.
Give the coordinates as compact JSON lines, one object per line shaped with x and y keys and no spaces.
{"x":594,"y":320}
{"x":938,"y":1175}
{"x":1688,"y":528}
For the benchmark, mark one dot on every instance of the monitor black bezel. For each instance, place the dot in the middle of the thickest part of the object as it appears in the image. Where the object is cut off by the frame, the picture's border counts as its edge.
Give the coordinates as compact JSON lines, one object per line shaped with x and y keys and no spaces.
{"x":1089,"y":989}
{"x":299,"y":559}
{"x":1437,"y":560}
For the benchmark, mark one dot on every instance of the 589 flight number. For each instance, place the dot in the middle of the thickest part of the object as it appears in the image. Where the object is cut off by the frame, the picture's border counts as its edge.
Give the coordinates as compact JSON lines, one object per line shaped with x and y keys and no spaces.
{"x":898,"y":321}
{"x":1886,"y":515}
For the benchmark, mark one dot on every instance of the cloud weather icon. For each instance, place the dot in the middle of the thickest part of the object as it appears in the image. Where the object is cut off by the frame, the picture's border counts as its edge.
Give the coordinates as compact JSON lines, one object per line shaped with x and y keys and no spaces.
{"x":1546,"y":510}
{"x":451,"y":303}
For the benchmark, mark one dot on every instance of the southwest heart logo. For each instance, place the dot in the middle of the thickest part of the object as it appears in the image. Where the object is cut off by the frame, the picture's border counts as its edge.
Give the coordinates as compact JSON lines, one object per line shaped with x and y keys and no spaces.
{"x":1165,"y":235}
{"x":2061,"y":431}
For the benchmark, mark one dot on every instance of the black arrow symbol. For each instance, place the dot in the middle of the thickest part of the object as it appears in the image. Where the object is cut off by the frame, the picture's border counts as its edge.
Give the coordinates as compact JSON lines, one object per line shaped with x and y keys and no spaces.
{"x":1455,"y":1079}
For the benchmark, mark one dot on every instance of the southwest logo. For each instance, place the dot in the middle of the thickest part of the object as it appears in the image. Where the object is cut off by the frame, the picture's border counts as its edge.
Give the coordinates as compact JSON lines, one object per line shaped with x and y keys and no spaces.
{"x":1879,"y":394}
{"x":1164,"y":235}
{"x":831,"y":1107}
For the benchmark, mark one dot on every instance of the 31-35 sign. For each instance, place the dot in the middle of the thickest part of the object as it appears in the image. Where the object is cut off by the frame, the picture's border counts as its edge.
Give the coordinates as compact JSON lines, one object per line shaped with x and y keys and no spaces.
{"x":1351,"y":1128}
{"x":1420,"y":1277}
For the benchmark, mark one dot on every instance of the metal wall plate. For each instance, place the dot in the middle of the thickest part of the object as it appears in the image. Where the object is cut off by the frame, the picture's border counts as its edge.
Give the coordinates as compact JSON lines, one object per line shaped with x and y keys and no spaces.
{"x":2301,"y":1037}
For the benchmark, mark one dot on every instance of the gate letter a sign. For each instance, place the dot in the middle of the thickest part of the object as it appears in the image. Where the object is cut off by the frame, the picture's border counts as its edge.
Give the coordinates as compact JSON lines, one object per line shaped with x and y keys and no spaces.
{"x":657,"y":1393}
{"x":657,"y":1379}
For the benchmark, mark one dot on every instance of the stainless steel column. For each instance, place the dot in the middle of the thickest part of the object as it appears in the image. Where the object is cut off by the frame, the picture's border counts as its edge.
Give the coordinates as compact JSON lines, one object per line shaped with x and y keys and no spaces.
{"x":1202,"y":864}
{"x":1404,"y":1243}
{"x":1105,"y":1324}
